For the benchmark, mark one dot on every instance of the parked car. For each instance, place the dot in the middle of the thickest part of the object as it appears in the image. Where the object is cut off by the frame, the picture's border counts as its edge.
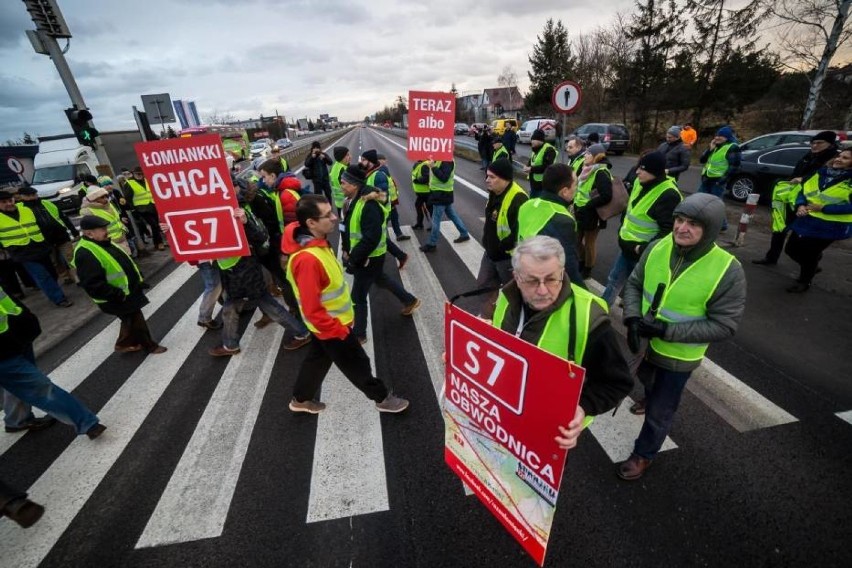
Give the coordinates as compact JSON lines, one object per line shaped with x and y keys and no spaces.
{"x":777,"y":138}
{"x":615,"y":137}
{"x":476,"y":128}
{"x":461,"y":129}
{"x":499,"y":125}
{"x":528,"y":127}
{"x":261,"y":150}
{"x":760,"y":169}
{"x":283,"y":143}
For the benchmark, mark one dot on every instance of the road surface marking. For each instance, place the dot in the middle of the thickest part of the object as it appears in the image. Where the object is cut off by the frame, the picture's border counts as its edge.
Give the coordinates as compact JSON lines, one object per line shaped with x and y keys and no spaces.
{"x":70,"y":481}
{"x":196,"y":501}
{"x":348,"y":476}
{"x":845,"y":416}
{"x":90,"y":356}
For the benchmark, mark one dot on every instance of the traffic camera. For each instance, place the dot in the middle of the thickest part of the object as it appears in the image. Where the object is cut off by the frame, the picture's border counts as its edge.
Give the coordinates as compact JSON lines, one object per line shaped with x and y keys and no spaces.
{"x":79,"y":119}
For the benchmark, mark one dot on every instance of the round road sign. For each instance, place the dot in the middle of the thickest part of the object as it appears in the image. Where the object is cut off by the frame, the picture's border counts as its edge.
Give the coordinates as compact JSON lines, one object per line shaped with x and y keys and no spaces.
{"x":15,"y":165}
{"x":566,"y":97}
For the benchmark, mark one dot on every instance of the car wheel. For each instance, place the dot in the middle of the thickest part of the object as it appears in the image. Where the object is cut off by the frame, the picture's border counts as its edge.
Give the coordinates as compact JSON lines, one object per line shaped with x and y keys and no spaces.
{"x":741,"y":186}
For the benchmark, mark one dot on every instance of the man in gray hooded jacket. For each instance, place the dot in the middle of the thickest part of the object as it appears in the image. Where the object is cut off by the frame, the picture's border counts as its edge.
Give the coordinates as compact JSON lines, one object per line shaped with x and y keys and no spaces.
{"x":684,"y":293}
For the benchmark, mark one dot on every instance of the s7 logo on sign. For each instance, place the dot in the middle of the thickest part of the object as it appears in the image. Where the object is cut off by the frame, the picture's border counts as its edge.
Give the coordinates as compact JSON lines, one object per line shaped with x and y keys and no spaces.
{"x":494,"y":369}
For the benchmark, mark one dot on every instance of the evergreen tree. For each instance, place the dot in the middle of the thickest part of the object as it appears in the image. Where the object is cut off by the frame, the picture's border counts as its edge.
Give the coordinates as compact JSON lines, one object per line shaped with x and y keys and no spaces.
{"x":551,"y":63}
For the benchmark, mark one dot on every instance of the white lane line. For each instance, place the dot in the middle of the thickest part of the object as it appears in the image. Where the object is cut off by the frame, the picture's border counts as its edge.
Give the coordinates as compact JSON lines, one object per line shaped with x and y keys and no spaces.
{"x":419,"y":279}
{"x":845,"y":416}
{"x":348,"y":476}
{"x":196,"y":501}
{"x":460,"y":180}
{"x":742,"y":407}
{"x":70,"y":481}
{"x":81,"y":364}
{"x":470,"y":252}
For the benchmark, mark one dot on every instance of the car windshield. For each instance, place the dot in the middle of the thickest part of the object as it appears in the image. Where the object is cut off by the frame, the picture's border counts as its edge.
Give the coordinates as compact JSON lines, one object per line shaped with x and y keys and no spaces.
{"x":258,"y":146}
{"x":53,"y":174}
{"x":762,"y":142}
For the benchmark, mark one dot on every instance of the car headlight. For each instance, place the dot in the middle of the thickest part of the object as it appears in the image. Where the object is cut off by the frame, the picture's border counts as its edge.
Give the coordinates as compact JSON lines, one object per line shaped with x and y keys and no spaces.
{"x":65,"y":190}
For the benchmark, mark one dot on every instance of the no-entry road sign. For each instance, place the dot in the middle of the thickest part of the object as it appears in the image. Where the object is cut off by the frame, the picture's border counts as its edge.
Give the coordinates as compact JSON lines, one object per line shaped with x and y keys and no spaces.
{"x":566,"y":97}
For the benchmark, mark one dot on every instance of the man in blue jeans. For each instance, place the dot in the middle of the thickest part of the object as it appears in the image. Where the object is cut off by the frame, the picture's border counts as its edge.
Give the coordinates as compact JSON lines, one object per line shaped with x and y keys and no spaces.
{"x":25,"y":243}
{"x":720,"y":161}
{"x":25,"y":386}
{"x":441,"y":184}
{"x":212,"y":291}
{"x":684,"y":293}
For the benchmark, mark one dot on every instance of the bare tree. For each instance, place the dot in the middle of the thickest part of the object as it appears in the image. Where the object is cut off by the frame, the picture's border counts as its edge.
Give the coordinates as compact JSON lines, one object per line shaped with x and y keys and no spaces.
{"x":508,"y":78}
{"x":217,"y":117}
{"x":593,"y":70}
{"x":811,"y":32}
{"x":620,"y":46}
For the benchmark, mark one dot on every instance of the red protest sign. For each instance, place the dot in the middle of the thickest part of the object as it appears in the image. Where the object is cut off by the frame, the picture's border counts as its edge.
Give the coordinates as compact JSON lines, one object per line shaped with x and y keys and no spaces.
{"x":192,"y":189}
{"x":504,"y":399}
{"x":431,"y":123}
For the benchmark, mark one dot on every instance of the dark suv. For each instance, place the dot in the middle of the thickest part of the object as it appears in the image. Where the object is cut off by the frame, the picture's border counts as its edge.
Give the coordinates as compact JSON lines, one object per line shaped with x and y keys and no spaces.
{"x":614,"y":137}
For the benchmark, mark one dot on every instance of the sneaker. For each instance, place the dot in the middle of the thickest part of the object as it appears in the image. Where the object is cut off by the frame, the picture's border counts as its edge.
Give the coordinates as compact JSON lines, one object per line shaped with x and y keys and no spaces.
{"x":411,"y":308}
{"x":212,"y":324}
{"x":462,"y":239}
{"x":263,"y":321}
{"x":416,"y":226}
{"x":35,"y":424}
{"x":158,"y":350}
{"x":309,"y":406}
{"x":638,"y":407}
{"x":66,"y":303}
{"x":95,"y":431}
{"x":297,"y":342}
{"x":222,"y":351}
{"x":403,"y":261}
{"x":428,"y":248}
{"x":392,"y":404}
{"x":403,"y":237}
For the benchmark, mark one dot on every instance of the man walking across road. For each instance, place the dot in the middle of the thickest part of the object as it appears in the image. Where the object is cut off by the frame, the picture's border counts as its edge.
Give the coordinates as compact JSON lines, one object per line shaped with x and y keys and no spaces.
{"x":500,"y":234}
{"x":143,"y":204}
{"x":542,"y":155}
{"x":378,"y":176}
{"x":326,"y":306}
{"x":25,"y":385}
{"x":544,"y":308}
{"x":57,"y":228}
{"x":441,"y":185}
{"x":364,"y":245}
{"x":675,"y":152}
{"x":342,"y":158}
{"x":684,"y":293}
{"x":113,"y":281}
{"x":720,"y":161}
{"x":25,"y":243}
{"x":420,"y":185}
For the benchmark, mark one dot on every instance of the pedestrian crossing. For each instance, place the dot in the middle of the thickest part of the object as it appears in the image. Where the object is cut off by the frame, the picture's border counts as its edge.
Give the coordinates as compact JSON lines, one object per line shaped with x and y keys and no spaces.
{"x":348,"y":467}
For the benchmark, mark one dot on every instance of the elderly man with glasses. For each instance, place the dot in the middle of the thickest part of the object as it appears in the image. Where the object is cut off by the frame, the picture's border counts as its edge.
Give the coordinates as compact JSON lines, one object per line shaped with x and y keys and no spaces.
{"x":541,"y":306}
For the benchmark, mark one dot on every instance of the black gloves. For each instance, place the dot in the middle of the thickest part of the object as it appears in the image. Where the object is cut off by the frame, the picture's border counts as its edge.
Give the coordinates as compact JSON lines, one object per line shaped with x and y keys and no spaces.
{"x":633,"y":338}
{"x":654,"y":328}
{"x":637,"y":328}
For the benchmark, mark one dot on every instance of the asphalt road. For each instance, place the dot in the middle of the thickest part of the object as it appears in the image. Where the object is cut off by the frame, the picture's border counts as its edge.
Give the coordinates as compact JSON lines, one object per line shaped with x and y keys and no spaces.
{"x":725,"y":494}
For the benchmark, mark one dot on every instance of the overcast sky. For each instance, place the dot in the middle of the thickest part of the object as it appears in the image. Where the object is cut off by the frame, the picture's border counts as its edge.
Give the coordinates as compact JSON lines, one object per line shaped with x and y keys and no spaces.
{"x":252,"y":57}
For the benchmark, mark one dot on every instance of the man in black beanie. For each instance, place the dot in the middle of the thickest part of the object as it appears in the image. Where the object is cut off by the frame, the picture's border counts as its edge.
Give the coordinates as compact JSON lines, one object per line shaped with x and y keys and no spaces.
{"x":500,"y":234}
{"x":649,"y":216}
{"x":542,"y":155}
{"x":316,"y":170}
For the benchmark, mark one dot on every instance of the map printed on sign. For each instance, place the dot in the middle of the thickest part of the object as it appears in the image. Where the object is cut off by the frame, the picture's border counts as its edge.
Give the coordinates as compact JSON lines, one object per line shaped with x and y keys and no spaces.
{"x":503,"y":401}
{"x":431,"y":123}
{"x":191,"y":186}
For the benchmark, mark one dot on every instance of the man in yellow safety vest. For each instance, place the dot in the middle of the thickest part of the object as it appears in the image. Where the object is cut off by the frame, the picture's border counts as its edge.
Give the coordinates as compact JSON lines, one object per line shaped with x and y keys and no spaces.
{"x":720,"y":161}
{"x":143,"y":205}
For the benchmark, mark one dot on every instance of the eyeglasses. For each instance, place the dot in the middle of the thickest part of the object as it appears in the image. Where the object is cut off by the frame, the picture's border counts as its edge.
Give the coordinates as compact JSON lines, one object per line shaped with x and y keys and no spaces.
{"x":328,"y":215}
{"x":549,"y":282}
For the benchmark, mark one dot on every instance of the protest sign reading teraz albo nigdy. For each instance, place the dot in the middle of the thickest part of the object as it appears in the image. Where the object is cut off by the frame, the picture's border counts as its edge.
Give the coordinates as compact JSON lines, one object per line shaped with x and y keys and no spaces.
{"x":194,"y":196}
{"x":431,"y":121}
{"x":504,"y":399}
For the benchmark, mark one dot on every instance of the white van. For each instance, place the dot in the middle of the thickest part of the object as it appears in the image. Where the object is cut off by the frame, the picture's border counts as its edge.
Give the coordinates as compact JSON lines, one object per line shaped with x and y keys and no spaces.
{"x":58,"y":165}
{"x":528,"y":127}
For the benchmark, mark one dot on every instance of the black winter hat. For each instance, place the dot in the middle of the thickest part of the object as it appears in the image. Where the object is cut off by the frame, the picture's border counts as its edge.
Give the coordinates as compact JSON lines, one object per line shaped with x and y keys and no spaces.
{"x":6,"y":195}
{"x":354,"y":174}
{"x":538,"y":134}
{"x":92,"y":222}
{"x":339,"y":152}
{"x":826,"y":136}
{"x":316,"y":144}
{"x":27,"y":190}
{"x":593,"y":138}
{"x":654,"y":163}
{"x":371,"y":156}
{"x":501,"y":168}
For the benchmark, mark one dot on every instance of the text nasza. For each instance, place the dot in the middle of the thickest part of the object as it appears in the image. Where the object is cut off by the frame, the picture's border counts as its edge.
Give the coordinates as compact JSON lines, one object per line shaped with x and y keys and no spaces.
{"x":480,"y":407}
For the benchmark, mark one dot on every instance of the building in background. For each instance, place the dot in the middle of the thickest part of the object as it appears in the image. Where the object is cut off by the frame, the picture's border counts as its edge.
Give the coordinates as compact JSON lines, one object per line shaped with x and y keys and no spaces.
{"x":186,"y":113}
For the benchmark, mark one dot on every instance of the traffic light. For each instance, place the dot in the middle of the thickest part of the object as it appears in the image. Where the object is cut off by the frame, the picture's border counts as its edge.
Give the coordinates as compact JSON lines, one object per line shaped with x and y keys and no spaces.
{"x":79,"y":120}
